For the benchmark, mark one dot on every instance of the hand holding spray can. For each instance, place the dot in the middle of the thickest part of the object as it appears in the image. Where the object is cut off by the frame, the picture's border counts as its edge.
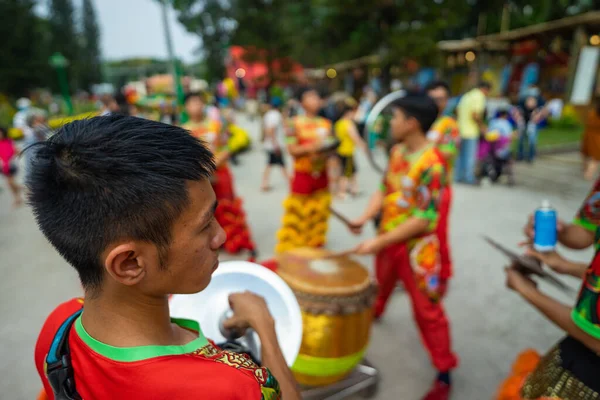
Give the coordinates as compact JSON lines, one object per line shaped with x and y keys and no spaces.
{"x":545,"y":221}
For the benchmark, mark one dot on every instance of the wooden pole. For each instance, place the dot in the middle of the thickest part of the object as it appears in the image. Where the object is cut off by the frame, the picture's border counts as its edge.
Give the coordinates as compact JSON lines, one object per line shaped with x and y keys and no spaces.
{"x":578,"y":41}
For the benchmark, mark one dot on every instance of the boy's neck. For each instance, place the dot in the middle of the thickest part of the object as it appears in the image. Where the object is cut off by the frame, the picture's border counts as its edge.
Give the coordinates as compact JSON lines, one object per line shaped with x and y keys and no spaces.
{"x":197,"y":119}
{"x":310,"y":114}
{"x":415,"y":141}
{"x":129,"y":321}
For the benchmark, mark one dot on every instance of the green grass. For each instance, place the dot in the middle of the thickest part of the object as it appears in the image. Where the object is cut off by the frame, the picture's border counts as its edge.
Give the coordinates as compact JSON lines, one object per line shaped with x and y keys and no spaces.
{"x":554,"y":136}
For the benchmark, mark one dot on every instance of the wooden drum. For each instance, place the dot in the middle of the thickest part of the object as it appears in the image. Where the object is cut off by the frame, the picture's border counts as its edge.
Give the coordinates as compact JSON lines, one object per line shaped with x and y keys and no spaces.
{"x":336,"y":297}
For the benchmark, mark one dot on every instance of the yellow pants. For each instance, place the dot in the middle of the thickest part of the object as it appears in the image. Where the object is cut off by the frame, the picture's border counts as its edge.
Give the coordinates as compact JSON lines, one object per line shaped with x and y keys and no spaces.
{"x":304,"y":222}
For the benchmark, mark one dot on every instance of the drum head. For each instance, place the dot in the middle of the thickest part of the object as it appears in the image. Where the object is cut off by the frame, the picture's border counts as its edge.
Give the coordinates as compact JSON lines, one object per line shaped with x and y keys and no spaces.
{"x":308,"y":270}
{"x":208,"y":306}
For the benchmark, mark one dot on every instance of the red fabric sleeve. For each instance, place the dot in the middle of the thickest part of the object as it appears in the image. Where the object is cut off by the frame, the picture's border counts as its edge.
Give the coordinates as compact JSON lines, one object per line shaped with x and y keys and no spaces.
{"x":49,"y":329}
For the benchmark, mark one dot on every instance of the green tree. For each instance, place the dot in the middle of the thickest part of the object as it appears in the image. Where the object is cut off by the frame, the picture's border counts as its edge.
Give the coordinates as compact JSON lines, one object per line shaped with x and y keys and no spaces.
{"x":64,"y":38}
{"x":212,"y":21}
{"x":90,"y":49}
{"x":23,"y":51}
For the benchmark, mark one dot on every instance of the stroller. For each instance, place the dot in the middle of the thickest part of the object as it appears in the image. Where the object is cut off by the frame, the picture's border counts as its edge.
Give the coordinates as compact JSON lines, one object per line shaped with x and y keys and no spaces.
{"x":494,"y":156}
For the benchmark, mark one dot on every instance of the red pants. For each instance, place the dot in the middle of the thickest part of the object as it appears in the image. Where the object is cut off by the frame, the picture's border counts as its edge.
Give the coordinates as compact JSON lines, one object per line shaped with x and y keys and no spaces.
{"x":223,"y":184}
{"x":230,"y":214}
{"x":442,"y":234}
{"x":306,"y":183}
{"x":391,"y":264}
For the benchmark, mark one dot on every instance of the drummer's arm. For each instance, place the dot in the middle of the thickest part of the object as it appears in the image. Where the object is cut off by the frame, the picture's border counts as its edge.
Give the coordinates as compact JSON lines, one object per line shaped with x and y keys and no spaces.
{"x":373,"y":207}
{"x":412,"y":227}
{"x":272,"y":358}
{"x":558,"y":313}
{"x":355,"y":136}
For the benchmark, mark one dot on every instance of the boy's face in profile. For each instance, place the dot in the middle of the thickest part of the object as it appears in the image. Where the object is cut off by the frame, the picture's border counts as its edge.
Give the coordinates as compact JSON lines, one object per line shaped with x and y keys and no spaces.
{"x":440,"y":96}
{"x":311,"y":101}
{"x":195,"y":108}
{"x":192,"y":256}
{"x":402,"y":125}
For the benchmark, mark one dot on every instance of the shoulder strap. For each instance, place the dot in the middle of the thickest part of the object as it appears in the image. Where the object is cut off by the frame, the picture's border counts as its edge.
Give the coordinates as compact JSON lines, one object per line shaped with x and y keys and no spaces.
{"x":58,"y":363}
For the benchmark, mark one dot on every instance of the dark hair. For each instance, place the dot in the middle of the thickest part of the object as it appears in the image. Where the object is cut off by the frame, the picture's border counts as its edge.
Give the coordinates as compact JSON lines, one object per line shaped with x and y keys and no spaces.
{"x":3,"y":132}
{"x":191,"y":95}
{"x":103,"y":179}
{"x":122,"y":103}
{"x":305,"y":89}
{"x":502,"y":113}
{"x":484,"y":85}
{"x":420,"y":107}
{"x":438,"y":84}
{"x":348,"y":104}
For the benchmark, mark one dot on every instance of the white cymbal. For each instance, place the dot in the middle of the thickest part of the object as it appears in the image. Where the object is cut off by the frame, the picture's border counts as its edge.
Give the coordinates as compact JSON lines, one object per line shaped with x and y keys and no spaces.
{"x":209,"y":306}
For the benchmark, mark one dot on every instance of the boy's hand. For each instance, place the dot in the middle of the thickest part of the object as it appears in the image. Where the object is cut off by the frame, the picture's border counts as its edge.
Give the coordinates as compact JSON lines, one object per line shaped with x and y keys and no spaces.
{"x":356,"y":226}
{"x":249,"y":311}
{"x":529,"y":229}
{"x":517,"y":281}
{"x":552,"y":259}
{"x":370,"y":246}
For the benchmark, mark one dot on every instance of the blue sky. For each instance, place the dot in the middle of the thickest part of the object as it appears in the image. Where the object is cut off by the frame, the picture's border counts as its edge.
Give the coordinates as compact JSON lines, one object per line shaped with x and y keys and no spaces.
{"x":133,"y":28}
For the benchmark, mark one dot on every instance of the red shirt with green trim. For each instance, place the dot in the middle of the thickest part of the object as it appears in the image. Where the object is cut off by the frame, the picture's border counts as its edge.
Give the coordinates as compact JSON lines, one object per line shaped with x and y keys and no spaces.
{"x":586,"y":313}
{"x":196,"y":370}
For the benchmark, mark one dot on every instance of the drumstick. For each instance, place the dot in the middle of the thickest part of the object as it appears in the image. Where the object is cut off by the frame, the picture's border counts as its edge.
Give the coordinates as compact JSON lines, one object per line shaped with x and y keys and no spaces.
{"x":344,"y":253}
{"x":344,"y":220}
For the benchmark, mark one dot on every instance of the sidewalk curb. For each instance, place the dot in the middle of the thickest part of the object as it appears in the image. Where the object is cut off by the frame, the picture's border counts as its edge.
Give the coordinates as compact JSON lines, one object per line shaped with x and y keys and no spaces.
{"x":559,"y":149}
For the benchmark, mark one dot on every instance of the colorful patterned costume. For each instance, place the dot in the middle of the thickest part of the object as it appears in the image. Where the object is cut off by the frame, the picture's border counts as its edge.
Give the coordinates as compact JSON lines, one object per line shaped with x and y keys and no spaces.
{"x":229,"y":212}
{"x":570,"y":370}
{"x":413,"y":187}
{"x":306,"y":209}
{"x":444,"y":133}
{"x":198,"y":369}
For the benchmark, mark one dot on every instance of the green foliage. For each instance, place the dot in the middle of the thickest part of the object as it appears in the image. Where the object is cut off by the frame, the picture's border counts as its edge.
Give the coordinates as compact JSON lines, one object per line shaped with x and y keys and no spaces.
{"x":29,"y":40}
{"x":64,"y":38}
{"x":568,"y":121}
{"x":23,"y":48}
{"x":213,"y":21}
{"x":90,"y":49}
{"x":318,"y":32}
{"x":554,"y":135}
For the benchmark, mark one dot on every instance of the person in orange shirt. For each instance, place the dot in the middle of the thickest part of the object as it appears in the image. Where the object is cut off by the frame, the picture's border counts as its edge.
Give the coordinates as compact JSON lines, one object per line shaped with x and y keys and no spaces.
{"x":307,"y":207}
{"x":444,"y":133}
{"x":229,"y":212}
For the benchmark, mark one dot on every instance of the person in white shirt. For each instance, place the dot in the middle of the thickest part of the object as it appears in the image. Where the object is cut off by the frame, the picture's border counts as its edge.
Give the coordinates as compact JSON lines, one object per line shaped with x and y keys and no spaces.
{"x":20,"y":119}
{"x":273,"y":141}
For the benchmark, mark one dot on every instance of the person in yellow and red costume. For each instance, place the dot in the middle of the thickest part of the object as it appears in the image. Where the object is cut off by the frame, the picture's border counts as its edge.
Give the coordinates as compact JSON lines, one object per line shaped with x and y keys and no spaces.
{"x":571,"y":369}
{"x":407,"y":247}
{"x":306,"y":209}
{"x":229,"y":213}
{"x":444,"y":133}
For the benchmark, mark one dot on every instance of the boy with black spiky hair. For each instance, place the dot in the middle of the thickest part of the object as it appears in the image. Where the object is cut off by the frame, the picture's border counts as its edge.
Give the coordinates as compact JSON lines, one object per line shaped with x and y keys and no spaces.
{"x":407,"y":247}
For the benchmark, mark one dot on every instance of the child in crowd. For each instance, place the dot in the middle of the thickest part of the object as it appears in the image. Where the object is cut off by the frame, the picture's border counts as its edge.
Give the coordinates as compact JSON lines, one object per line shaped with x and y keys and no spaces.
{"x":8,"y":165}
{"x":273,"y":141}
{"x":495,"y":148}
{"x":346,"y":132}
{"x":407,"y":247}
{"x":532,"y":115}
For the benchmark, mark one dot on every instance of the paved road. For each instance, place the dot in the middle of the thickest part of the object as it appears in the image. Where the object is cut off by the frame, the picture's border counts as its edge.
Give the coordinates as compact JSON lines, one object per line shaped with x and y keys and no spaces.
{"x":489,"y":324}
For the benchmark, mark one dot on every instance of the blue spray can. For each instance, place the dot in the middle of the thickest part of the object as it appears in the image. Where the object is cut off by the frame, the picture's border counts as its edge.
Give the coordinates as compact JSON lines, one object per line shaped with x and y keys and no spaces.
{"x":545,"y":235}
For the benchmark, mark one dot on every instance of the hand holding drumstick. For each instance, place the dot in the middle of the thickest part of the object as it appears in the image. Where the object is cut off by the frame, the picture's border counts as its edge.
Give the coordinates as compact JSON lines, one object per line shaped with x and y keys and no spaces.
{"x":354,"y":226}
